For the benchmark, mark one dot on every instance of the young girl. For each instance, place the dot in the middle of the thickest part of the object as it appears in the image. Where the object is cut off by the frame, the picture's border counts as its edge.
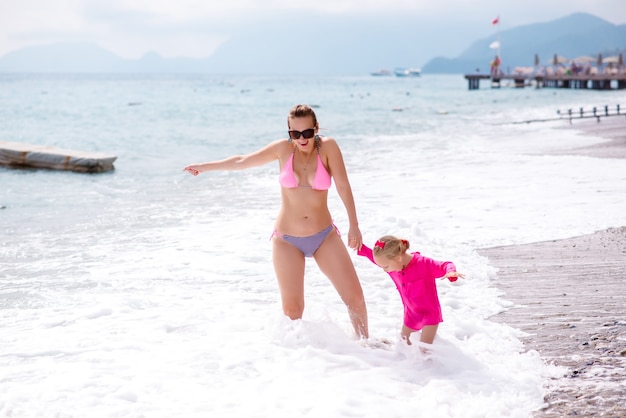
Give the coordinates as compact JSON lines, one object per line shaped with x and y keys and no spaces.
{"x":414,"y":276}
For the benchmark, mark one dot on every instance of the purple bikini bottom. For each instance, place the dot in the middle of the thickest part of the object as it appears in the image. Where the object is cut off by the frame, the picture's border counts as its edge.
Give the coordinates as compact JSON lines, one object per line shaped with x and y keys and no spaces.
{"x":308,"y":245}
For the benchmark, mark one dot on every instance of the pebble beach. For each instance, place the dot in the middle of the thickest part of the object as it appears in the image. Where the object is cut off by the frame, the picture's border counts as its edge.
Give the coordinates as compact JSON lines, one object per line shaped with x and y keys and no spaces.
{"x":568,"y":299}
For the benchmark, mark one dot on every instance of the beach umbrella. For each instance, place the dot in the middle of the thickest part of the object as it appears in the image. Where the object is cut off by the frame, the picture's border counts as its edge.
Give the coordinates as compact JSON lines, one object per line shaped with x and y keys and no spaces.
{"x":558,"y":59}
{"x":599,"y":60}
{"x":611,"y":60}
{"x":584,"y":59}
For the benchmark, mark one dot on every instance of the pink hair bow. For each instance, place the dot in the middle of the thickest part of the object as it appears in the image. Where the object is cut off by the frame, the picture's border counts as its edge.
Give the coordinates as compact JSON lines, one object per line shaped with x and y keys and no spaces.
{"x":379,"y":244}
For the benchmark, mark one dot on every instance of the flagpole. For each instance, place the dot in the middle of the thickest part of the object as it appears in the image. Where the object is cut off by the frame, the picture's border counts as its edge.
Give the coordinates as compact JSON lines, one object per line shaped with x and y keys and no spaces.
{"x":498,"y":60}
{"x":498,"y":38}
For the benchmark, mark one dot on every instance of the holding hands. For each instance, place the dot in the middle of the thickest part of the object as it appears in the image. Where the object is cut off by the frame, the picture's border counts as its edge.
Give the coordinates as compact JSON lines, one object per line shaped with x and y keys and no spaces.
{"x":355,"y":239}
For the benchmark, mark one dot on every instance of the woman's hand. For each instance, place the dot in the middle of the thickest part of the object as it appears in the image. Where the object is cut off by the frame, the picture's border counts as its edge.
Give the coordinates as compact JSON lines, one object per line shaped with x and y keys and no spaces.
{"x":355,"y":239}
{"x":193,"y":169}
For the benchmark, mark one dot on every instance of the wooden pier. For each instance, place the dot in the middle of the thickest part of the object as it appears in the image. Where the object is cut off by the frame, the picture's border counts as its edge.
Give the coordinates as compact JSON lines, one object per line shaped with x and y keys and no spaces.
{"x":579,"y":81}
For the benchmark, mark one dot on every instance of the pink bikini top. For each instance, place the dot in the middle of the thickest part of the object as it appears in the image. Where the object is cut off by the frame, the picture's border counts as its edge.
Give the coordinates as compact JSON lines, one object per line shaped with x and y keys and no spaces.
{"x":321,"y":181}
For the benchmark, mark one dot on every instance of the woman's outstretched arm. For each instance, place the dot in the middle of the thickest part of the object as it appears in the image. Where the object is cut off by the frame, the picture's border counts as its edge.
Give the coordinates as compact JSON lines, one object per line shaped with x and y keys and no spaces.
{"x":262,"y":156}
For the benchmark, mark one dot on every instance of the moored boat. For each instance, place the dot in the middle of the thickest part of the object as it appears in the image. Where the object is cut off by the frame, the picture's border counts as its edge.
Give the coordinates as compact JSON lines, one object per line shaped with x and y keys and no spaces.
{"x":382,"y":72}
{"x":408,"y":72}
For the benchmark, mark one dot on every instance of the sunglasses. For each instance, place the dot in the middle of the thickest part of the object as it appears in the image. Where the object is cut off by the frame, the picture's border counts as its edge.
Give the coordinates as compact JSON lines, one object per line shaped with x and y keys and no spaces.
{"x":306,"y":134}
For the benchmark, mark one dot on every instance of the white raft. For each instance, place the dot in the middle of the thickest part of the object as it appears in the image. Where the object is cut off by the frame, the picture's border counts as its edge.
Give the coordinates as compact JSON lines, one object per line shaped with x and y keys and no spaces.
{"x":17,"y":154}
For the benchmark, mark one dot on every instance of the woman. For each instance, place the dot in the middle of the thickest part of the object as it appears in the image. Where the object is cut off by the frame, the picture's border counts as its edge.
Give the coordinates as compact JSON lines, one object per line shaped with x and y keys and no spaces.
{"x":304,"y":227}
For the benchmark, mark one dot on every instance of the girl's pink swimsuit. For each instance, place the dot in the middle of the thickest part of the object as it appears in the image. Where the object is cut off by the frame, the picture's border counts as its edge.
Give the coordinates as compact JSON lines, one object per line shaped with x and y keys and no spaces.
{"x":417,"y":287}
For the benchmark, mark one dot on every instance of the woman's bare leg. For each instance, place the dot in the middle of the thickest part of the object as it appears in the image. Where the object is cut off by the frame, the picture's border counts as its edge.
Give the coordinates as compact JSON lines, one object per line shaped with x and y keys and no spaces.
{"x":289,"y":269}
{"x":334,"y":261}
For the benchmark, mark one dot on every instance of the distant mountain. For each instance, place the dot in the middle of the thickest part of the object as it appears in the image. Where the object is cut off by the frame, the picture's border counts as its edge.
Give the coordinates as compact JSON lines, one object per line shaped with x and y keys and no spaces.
{"x":356,"y":45}
{"x":65,"y":57}
{"x":571,"y":36}
{"x":82,"y":57}
{"x":329,"y":45}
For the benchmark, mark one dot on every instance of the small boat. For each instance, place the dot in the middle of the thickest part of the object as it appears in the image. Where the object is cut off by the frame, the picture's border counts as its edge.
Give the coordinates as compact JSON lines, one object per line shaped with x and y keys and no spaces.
{"x":408,"y":72}
{"x":381,"y":73}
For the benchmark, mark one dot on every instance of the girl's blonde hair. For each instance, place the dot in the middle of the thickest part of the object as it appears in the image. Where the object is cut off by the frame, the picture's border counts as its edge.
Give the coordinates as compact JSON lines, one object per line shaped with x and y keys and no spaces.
{"x":389,"y":246}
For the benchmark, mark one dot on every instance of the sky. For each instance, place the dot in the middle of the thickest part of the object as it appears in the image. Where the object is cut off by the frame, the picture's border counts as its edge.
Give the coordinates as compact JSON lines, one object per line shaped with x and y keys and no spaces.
{"x":196,"y":28}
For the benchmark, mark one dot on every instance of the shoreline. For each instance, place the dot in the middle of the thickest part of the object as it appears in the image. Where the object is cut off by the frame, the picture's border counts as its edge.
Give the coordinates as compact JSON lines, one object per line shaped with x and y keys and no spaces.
{"x":568,"y":299}
{"x":612,"y":129}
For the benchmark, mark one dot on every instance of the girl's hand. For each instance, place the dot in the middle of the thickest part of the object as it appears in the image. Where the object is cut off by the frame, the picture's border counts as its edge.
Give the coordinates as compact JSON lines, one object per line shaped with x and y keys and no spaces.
{"x":453,"y":274}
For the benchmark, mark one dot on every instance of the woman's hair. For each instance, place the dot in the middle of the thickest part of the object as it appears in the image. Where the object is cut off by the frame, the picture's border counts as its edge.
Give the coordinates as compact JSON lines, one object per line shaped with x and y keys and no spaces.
{"x":390,"y":246}
{"x":302,"y":111}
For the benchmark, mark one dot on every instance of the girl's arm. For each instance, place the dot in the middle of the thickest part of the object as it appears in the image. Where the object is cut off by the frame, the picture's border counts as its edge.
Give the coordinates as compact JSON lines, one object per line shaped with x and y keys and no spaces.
{"x":444,"y":269}
{"x":338,"y":171}
{"x":262,"y":156}
{"x":366,"y":251}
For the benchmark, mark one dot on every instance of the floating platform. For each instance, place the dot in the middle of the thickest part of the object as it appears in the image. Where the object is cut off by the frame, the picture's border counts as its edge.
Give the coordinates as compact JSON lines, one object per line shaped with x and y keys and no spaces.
{"x":17,"y":154}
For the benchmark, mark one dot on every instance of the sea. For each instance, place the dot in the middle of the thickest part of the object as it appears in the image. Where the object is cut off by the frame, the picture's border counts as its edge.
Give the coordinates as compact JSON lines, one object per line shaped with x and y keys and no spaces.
{"x":147,"y":292}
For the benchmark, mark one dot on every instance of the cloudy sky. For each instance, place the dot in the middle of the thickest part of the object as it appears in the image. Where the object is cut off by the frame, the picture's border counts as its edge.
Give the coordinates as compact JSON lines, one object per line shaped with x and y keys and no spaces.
{"x":195,"y":28}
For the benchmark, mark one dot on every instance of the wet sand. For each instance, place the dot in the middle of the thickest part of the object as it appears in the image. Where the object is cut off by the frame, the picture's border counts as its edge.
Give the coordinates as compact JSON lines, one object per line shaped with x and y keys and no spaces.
{"x":613,"y":129}
{"x":569,"y":298}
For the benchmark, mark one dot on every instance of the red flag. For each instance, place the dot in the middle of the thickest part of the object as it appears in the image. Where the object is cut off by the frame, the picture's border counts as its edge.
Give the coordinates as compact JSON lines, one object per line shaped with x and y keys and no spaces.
{"x":495,"y":21}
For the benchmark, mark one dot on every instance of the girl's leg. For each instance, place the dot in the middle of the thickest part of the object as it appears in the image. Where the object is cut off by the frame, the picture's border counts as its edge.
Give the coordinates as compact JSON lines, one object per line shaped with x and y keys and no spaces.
{"x":289,"y":269}
{"x":406,"y":334}
{"x":334,"y":261}
{"x":428,"y":333}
